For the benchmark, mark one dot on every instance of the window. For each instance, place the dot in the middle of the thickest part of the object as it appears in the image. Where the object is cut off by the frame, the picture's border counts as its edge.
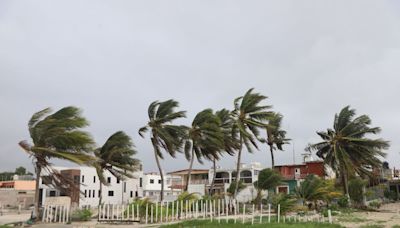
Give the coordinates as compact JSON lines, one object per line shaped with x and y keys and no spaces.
{"x":131,"y":194}
{"x":52,"y":193}
{"x":94,"y":179}
{"x":117,"y":180}
{"x":110,"y":193}
{"x":140,"y":182}
{"x":94,"y":193}
{"x":99,"y":194}
{"x":159,"y":181}
{"x":151,"y":181}
{"x":109,"y":180}
{"x":76,"y":179}
{"x":85,"y":194}
{"x":136,"y":194}
{"x":90,"y":193}
{"x":256,"y":172}
{"x":83,"y":179}
{"x":124,"y":187}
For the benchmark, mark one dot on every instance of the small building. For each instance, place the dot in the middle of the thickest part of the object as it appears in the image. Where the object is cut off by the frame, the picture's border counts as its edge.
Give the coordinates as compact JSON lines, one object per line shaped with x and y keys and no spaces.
{"x":152,"y":186}
{"x":16,"y":193}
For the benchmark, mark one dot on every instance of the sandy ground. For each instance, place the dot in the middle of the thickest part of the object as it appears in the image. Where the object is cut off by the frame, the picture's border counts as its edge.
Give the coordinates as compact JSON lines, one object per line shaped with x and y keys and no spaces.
{"x":388,"y":216}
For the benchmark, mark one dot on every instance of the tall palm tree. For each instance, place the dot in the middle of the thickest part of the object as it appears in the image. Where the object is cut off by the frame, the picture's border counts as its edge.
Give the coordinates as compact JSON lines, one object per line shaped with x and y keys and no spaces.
{"x":346,"y":148}
{"x":249,"y":116}
{"x":164,"y":135}
{"x":115,"y":156}
{"x":57,"y":135}
{"x":276,"y":137}
{"x":205,"y":139}
{"x":230,"y":140}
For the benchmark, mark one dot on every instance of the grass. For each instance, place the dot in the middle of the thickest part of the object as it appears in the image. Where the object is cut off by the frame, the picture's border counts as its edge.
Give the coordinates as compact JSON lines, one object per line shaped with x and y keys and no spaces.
{"x":351,"y":218}
{"x":208,"y":223}
{"x":372,"y":226}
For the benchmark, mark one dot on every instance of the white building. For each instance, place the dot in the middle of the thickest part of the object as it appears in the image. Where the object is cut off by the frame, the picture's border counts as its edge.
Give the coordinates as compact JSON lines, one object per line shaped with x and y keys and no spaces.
{"x":152,"y":186}
{"x":87,"y":192}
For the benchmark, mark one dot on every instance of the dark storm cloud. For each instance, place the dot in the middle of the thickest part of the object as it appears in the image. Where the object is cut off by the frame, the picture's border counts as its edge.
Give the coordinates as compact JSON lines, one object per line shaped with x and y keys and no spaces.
{"x":112,"y":58}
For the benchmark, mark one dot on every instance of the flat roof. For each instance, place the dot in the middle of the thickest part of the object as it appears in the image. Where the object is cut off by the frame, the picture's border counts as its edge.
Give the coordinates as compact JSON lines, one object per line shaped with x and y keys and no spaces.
{"x":186,"y":171}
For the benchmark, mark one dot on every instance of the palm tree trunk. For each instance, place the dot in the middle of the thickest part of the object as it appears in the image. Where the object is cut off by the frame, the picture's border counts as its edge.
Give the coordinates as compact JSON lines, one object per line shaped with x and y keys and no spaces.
{"x":189,"y":178}
{"x":161,"y":175}
{"x":345,"y":185}
{"x":214,"y":176}
{"x":238,"y":168}
{"x":38,"y":170}
{"x":271,"y":149}
{"x":100,"y":193}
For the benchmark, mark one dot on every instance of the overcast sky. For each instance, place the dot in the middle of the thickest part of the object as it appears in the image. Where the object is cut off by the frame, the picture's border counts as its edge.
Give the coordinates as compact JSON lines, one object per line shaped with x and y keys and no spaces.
{"x":113,"y":58}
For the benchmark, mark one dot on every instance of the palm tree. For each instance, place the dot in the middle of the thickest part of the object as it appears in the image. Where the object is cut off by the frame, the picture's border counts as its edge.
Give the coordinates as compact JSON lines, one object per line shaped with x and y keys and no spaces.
{"x":312,"y":189}
{"x":346,"y":148}
{"x":57,"y":135}
{"x":276,"y":137}
{"x":164,"y":135}
{"x":230,"y":140}
{"x":115,"y":156}
{"x":249,"y":116}
{"x":205,"y":139}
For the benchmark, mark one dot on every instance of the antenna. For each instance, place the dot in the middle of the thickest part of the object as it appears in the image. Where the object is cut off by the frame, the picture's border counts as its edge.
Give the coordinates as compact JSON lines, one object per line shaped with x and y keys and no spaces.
{"x":294,"y":157}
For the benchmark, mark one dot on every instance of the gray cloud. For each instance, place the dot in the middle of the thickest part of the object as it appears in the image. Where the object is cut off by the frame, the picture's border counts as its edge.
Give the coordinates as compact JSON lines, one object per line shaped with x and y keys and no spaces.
{"x":112,"y":58}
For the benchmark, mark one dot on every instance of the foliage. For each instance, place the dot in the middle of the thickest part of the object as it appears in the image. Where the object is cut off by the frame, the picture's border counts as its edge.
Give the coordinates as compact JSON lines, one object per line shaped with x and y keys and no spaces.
{"x":116,"y":157}
{"x":276,"y":137}
{"x":391,"y":195}
{"x":58,"y":135}
{"x":81,"y":215}
{"x":204,"y":140}
{"x":286,"y":202}
{"x":164,"y":135}
{"x":356,"y":186}
{"x":375,"y":204}
{"x":187,"y":196}
{"x":249,"y":116}
{"x":268,"y":179}
{"x":312,"y":188}
{"x":346,"y":148}
{"x":231,"y":188}
{"x":343,"y":202}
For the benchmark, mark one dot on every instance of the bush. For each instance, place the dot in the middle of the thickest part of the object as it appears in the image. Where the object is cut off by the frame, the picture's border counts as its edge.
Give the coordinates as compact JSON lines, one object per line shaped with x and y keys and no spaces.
{"x":81,"y":215}
{"x":375,"y":204}
{"x":343,"y":202}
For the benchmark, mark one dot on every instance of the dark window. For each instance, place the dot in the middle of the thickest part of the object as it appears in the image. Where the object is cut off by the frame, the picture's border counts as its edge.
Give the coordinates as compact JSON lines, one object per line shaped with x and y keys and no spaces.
{"x":117,"y":180}
{"x":90,"y":193}
{"x":140,"y":182}
{"x":124,"y":187}
{"x":76,"y":179}
{"x":99,"y":194}
{"x":159,"y":181}
{"x":110,"y":193}
{"x":109,"y":180}
{"x":83,"y":178}
{"x":131,"y":194}
{"x":151,"y":181}
{"x":85,"y":193}
{"x":94,"y":194}
{"x":52,"y":193}
{"x":136,"y":194}
{"x":94,"y":179}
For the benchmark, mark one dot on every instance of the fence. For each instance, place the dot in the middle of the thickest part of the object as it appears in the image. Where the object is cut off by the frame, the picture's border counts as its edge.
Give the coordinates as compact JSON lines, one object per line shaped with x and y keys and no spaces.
{"x":218,"y":210}
{"x":56,"y":214}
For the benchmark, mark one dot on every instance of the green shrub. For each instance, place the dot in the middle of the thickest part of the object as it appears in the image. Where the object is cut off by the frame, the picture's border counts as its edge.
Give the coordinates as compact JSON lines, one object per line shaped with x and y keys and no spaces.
{"x":81,"y":215}
{"x":375,"y":204}
{"x":343,"y":202}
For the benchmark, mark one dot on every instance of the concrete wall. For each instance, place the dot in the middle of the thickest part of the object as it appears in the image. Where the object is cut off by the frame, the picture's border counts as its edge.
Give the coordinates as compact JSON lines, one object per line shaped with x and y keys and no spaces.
{"x":13,"y":198}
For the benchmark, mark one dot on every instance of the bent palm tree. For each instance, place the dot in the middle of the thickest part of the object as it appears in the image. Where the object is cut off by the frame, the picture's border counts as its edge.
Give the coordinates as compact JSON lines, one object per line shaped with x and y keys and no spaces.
{"x":276,"y":137}
{"x":205,"y":139}
{"x":346,"y":148}
{"x":163,"y":134}
{"x":249,"y":116}
{"x":115,"y":156}
{"x":311,"y":189}
{"x":230,"y":140}
{"x":57,"y":135}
